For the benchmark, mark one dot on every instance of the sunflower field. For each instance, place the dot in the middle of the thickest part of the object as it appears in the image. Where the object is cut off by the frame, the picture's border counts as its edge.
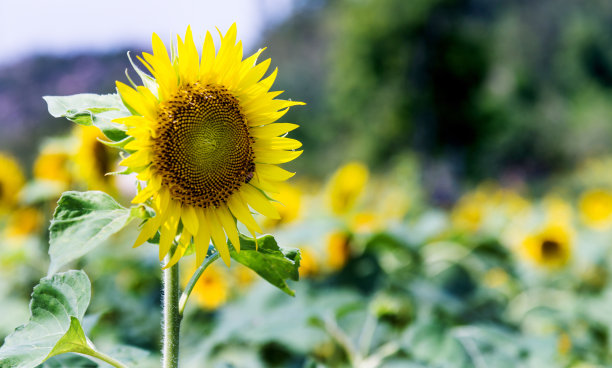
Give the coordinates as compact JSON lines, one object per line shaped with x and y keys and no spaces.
{"x":377,"y":184}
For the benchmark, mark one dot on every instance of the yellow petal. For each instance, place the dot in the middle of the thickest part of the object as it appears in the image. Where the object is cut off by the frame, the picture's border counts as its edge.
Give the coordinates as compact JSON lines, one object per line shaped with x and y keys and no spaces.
{"x":277,"y":143}
{"x":276,"y":157}
{"x":254,"y":75}
{"x":137,"y":159}
{"x":183,"y":244}
{"x":168,"y":231}
{"x":228,"y":223}
{"x":208,"y":57}
{"x":202,"y":239}
{"x":272,"y":172}
{"x":136,"y":101}
{"x":216,"y":232}
{"x":190,"y":219}
{"x":241,"y":212}
{"x":258,"y":201}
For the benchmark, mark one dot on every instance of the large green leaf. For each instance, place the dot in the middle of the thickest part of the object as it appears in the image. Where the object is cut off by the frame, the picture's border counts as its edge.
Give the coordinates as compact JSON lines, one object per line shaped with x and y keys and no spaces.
{"x":269,"y":261}
{"x":58,"y":304}
{"x":91,"y":109}
{"x":81,"y":222}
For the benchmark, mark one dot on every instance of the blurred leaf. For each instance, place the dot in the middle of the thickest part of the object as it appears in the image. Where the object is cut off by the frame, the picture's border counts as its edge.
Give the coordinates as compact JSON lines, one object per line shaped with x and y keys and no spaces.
{"x":80,"y":223}
{"x":269,"y":261}
{"x":58,"y":304}
{"x":91,"y":109}
{"x":68,"y":361}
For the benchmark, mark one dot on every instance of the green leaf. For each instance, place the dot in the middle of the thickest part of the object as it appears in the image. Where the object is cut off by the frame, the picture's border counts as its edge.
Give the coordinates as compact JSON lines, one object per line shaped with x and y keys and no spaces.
{"x":269,"y":261}
{"x":83,"y":220}
{"x":57,"y":305}
{"x":91,"y":109}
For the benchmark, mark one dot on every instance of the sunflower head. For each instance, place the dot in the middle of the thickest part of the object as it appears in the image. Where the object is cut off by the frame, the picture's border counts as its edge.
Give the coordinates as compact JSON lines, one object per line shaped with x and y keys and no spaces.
{"x":595,"y":208}
{"x":11,"y":182}
{"x":549,"y":248}
{"x":346,"y":186}
{"x":93,"y":160}
{"x":205,"y":143}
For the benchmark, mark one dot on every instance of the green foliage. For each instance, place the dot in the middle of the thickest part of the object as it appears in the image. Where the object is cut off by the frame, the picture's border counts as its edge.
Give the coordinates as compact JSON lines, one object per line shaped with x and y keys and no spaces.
{"x":269,"y":261}
{"x":81,"y":222}
{"x":58,"y":305}
{"x":91,"y":109}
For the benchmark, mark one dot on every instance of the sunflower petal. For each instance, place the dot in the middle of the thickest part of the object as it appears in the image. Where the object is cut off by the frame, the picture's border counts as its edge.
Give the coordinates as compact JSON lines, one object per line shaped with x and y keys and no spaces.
{"x":229,"y":224}
{"x":240,"y":210}
{"x":218,"y":237}
{"x":258,"y":201}
{"x":202,"y":239}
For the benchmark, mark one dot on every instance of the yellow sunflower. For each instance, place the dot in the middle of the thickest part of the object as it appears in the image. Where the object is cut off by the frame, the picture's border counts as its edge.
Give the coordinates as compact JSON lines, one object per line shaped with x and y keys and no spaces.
{"x":596,"y":208}
{"x":205,"y":143}
{"x":550,"y":247}
{"x":93,"y":159}
{"x":11,"y":182}
{"x":346,"y":186}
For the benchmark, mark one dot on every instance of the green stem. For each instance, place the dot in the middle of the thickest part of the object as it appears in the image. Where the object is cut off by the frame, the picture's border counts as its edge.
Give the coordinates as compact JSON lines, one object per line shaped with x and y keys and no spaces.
{"x":171,"y":317}
{"x":105,"y":358}
{"x":196,"y":276}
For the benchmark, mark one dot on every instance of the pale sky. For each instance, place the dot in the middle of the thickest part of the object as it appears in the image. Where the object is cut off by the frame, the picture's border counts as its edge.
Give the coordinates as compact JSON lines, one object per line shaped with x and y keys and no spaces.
{"x":66,"y":26}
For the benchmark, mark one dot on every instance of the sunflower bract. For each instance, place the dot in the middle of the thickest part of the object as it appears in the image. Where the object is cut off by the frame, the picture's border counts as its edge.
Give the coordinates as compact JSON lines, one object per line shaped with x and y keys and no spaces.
{"x":206,"y":144}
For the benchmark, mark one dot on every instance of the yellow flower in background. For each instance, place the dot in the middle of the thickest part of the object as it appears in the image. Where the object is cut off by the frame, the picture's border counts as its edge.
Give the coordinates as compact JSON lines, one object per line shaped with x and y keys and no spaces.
{"x":212,"y":288}
{"x":23,"y":222}
{"x":93,"y":160}
{"x":288,"y":205}
{"x":550,"y":248}
{"x":338,"y":250}
{"x":11,"y":182}
{"x":595,"y":207}
{"x":243,"y":275}
{"x":206,"y":142}
{"x":365,"y":222}
{"x":469,"y":212}
{"x":53,"y":164}
{"x":346,"y":185}
{"x":309,"y":266}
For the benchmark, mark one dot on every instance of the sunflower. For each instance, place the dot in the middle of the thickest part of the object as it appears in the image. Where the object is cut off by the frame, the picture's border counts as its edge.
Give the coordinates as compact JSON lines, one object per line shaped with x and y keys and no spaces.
{"x":11,"y":182}
{"x":205,"y":143}
{"x":93,"y":159}
{"x":346,"y":186}
{"x":551,"y":247}
{"x":596,"y":208}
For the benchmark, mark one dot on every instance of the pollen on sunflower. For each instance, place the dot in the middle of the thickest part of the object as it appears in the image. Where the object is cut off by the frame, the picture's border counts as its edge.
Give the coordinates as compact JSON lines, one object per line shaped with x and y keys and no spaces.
{"x":206,"y":145}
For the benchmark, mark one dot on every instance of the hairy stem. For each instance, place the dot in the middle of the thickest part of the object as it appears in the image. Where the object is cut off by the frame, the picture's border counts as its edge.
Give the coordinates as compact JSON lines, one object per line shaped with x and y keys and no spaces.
{"x":171,"y":323}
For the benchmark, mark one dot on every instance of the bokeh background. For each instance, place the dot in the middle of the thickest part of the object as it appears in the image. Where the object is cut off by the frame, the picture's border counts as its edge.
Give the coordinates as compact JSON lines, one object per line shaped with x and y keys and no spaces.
{"x":453,"y":203}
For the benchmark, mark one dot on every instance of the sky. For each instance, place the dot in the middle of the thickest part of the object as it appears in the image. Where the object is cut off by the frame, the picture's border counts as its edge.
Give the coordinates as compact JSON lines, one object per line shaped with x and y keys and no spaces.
{"x":32,"y":27}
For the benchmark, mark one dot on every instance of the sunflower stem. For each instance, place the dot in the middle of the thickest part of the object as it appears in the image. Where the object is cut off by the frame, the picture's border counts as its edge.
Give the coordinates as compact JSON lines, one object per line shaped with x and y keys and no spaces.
{"x":196,"y":276}
{"x":171,"y":317}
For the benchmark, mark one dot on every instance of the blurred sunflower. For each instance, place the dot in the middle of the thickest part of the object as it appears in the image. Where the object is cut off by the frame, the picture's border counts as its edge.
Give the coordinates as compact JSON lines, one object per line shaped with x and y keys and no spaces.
{"x":53,"y":165}
{"x":93,"y":160}
{"x":346,"y":186}
{"x":550,"y":247}
{"x":338,"y":249}
{"x":288,"y":205}
{"x":23,"y":222}
{"x":595,"y":207}
{"x":212,"y":288}
{"x":309,"y":265}
{"x":11,"y":182}
{"x":205,"y":142}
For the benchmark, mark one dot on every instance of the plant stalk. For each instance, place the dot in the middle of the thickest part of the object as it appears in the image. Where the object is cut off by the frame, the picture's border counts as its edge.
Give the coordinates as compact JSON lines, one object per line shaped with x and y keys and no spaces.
{"x":171,"y":323}
{"x":196,"y":276}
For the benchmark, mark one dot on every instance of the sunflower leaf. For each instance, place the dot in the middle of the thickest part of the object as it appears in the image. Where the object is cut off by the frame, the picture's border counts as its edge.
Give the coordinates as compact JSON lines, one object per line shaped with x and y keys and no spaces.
{"x":58,"y":305}
{"x":91,"y":109}
{"x":268,"y":260}
{"x":83,"y":220}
